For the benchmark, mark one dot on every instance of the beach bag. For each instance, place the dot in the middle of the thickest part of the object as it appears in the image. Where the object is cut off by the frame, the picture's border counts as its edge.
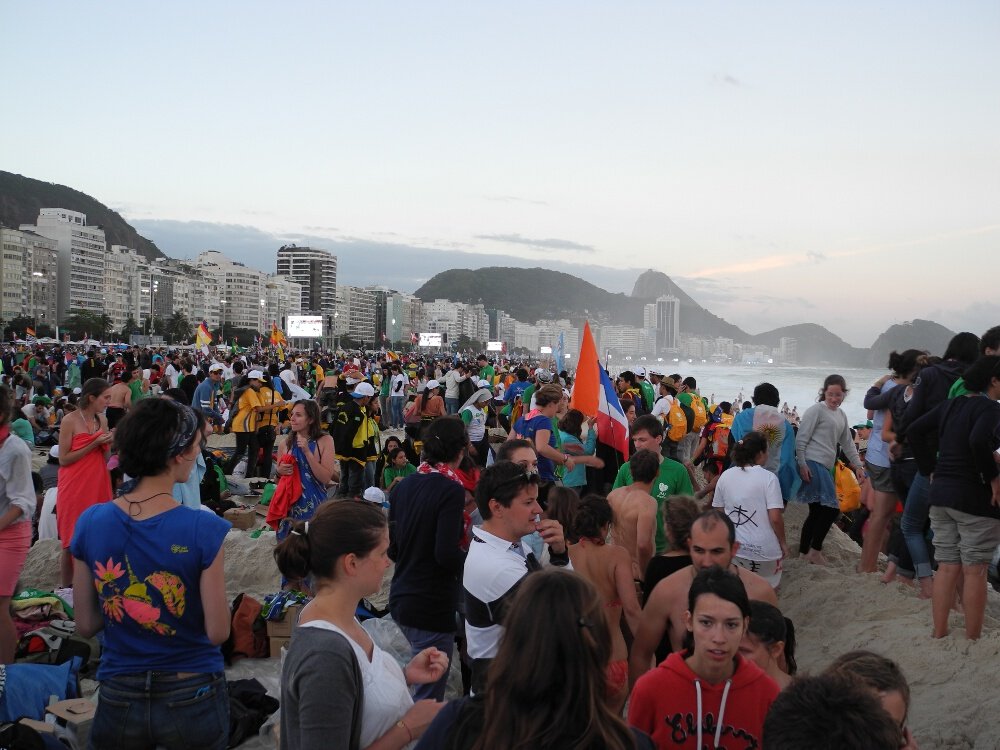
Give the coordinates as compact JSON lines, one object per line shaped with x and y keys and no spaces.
{"x":677,"y":423}
{"x":848,"y":489}
{"x":248,"y":634}
{"x":700,"y":414}
{"x":28,"y":687}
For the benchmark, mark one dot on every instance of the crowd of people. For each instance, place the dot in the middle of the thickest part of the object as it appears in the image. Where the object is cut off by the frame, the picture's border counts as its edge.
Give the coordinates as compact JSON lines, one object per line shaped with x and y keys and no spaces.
{"x":658,"y":571}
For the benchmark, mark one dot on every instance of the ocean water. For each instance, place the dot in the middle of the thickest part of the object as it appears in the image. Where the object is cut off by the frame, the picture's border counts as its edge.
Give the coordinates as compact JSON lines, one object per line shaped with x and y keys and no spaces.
{"x":798,"y":386}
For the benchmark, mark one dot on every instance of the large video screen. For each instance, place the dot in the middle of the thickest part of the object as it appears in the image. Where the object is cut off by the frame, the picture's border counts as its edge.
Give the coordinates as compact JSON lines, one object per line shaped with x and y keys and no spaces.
{"x":305,"y":326}
{"x":430,"y":339}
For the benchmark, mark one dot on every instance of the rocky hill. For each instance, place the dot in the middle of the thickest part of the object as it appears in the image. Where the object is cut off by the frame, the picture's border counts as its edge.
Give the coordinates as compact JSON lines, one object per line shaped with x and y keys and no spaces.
{"x":694,"y":318}
{"x":815,"y":345}
{"x":21,"y":197}
{"x":915,"y":334}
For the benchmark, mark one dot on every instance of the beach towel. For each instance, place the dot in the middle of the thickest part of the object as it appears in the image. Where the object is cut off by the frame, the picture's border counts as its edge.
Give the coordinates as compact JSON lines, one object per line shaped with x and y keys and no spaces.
{"x":287,"y":492}
{"x":83,"y":483}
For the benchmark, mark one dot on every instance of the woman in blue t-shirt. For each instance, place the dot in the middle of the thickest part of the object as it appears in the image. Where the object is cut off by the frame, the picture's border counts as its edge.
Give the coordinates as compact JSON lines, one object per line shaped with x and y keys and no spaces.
{"x":538,"y":427}
{"x":148,"y":571}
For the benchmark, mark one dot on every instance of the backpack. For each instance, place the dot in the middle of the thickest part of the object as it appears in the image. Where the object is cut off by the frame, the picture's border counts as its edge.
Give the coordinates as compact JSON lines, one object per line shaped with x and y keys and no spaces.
{"x":699,"y":413}
{"x":248,"y":635}
{"x":718,"y":444}
{"x":677,"y":422}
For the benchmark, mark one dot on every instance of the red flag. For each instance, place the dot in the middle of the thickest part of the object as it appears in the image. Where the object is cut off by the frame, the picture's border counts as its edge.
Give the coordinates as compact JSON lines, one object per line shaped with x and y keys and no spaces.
{"x":594,"y":395}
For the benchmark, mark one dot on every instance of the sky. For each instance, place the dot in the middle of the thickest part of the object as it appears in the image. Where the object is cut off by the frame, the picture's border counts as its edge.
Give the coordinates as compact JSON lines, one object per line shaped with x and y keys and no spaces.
{"x":784,"y":162}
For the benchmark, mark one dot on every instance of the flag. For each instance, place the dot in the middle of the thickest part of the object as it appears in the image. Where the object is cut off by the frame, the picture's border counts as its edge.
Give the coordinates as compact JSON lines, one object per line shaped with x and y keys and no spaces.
{"x":277,"y":337}
{"x":560,"y":347}
{"x":414,"y":338}
{"x":594,"y":395}
{"x":281,"y":353}
{"x":203,"y":337}
{"x":392,"y":355}
{"x":29,"y":332}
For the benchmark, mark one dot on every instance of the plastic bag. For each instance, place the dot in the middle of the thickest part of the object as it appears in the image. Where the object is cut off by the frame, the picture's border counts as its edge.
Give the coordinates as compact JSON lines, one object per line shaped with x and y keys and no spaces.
{"x":848,"y":489}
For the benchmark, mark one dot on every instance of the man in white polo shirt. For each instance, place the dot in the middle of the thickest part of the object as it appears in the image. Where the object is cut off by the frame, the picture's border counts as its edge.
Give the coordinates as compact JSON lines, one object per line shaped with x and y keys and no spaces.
{"x":507,"y":498}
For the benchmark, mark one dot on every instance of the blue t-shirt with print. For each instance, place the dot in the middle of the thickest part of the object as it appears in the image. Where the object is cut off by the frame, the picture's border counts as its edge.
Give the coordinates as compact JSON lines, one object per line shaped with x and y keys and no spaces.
{"x":527,"y":429}
{"x":147,"y":574}
{"x":517,"y":388}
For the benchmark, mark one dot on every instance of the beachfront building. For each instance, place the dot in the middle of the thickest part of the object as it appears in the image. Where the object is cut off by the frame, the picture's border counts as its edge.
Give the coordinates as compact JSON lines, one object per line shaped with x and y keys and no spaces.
{"x":315,"y":271}
{"x":625,"y":341}
{"x":788,"y":350}
{"x":403,"y":318}
{"x":355,"y":315}
{"x":242,"y":290}
{"x":28,"y":276}
{"x":82,"y":249}
{"x":282,"y":297}
{"x":668,"y":324}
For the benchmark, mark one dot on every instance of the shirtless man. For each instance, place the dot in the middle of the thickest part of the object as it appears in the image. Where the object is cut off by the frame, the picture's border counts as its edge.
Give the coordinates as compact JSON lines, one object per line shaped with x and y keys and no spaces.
{"x":713,"y":542}
{"x":121,"y":399}
{"x":634,"y":511}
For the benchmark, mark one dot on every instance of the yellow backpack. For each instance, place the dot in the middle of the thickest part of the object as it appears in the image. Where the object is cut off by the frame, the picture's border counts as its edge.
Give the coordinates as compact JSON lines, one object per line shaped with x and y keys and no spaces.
{"x":700,"y":415}
{"x":677,"y":423}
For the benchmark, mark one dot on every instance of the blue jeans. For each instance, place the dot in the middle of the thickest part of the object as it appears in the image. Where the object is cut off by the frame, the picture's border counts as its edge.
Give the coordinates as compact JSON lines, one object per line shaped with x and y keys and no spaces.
{"x":913,"y":522}
{"x":396,"y":409}
{"x":451,"y":405}
{"x":421,"y":639}
{"x":146,"y":710}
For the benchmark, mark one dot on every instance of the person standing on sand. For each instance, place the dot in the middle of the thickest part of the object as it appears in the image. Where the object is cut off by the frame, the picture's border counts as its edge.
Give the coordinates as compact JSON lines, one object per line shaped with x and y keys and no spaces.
{"x":824,"y":428}
{"x":635,"y":510}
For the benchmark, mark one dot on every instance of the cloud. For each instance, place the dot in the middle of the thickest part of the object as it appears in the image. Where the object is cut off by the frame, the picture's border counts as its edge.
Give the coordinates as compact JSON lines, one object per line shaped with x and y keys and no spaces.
{"x":814,"y":256}
{"x":550,"y":243}
{"x":727,"y":79}
{"x":361,"y":261}
{"x":515,"y":199}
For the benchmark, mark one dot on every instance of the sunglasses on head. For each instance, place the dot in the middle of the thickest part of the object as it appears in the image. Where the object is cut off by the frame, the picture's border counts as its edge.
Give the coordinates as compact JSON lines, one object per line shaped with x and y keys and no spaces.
{"x":527,"y":477}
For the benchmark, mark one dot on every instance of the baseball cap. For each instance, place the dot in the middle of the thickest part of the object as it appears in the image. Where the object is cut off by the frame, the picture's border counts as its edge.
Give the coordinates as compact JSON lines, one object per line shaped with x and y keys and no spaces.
{"x":363,"y":389}
{"x":543,"y":376}
{"x":255,"y":375}
{"x":433,"y":384}
{"x":640,"y":371}
{"x":216,"y":368}
{"x":374,"y":495}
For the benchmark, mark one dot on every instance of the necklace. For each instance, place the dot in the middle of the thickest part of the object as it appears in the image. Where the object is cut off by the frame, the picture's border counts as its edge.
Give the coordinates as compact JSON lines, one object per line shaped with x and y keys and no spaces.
{"x":139,"y":503}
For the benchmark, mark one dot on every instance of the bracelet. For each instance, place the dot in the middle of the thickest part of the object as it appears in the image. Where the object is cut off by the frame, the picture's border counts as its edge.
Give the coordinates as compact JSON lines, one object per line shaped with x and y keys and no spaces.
{"x":402,"y":725}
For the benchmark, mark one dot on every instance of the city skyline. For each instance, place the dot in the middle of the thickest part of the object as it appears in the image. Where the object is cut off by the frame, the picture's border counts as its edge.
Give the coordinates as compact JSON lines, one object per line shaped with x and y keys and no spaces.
{"x":783,"y":163}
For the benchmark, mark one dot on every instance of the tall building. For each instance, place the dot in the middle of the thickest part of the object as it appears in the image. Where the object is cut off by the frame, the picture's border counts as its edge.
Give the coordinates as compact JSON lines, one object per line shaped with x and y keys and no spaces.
{"x":668,"y":324}
{"x":282,"y":297}
{"x":243,"y":304}
{"x":381,"y":296}
{"x":82,"y":250}
{"x":355,"y":316}
{"x":403,"y":318}
{"x":29,"y":276}
{"x":315,"y":271}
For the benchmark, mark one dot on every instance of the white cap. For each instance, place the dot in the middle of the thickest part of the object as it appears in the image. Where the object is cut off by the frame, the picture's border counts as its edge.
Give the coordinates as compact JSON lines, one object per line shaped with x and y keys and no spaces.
{"x":485,"y":384}
{"x":216,"y":367}
{"x":433,"y":384}
{"x":640,"y":371}
{"x":54,"y":451}
{"x":255,"y":375}
{"x":362,"y":390}
{"x":374,"y":495}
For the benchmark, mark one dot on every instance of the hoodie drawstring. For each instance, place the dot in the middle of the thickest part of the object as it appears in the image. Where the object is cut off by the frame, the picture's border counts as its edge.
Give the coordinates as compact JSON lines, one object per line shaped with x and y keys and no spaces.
{"x":722,"y":712}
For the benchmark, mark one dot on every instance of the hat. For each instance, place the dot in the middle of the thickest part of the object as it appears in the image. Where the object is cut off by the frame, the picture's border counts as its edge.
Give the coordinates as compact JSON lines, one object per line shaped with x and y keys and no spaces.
{"x":433,"y":384}
{"x":363,"y":389}
{"x":255,"y":375}
{"x":485,"y":384}
{"x":639,"y":371}
{"x":374,"y":495}
{"x":543,"y":376}
{"x":863,"y":426}
{"x":354,"y":378}
{"x":77,"y":391}
{"x":54,"y":451}
{"x":217,"y":367}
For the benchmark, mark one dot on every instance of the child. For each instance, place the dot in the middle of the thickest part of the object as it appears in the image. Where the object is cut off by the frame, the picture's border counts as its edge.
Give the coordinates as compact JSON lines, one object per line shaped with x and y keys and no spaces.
{"x":397,"y":469}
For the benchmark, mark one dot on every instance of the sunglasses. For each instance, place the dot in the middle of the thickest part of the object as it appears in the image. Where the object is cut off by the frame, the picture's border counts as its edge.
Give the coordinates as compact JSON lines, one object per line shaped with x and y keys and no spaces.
{"x":528,"y":477}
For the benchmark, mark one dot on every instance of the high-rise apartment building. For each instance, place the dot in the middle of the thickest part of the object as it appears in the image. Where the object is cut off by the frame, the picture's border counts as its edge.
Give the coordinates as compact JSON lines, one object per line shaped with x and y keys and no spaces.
{"x":668,"y":324}
{"x":82,"y":250}
{"x":355,"y":316}
{"x":242,"y":304}
{"x":315,"y":271}
{"x":28,"y":276}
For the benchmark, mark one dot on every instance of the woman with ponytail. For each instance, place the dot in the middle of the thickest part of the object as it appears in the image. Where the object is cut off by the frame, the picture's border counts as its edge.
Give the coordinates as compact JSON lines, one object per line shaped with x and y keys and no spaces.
{"x":339,"y":690}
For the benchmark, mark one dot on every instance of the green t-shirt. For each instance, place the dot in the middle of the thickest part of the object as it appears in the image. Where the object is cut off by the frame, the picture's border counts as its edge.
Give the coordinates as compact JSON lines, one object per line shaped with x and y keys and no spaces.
{"x":389,"y":474}
{"x":487,"y":373}
{"x":672,"y":479}
{"x":136,"y":387}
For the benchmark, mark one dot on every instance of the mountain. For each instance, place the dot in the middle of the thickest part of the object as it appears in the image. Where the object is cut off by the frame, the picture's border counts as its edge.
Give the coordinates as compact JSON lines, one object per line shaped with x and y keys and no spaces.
{"x":530,"y":294}
{"x":916,"y":334}
{"x":21,"y":197}
{"x":815,"y":345}
{"x":694,"y":318}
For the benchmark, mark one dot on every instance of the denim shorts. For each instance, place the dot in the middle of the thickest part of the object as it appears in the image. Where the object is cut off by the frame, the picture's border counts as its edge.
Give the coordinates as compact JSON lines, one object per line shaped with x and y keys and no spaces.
{"x":149,"y":710}
{"x":880,"y":478}
{"x":963,"y":537}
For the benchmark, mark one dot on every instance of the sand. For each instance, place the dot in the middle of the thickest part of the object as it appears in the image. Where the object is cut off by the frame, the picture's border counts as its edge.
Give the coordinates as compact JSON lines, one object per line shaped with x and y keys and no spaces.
{"x":954,"y":703}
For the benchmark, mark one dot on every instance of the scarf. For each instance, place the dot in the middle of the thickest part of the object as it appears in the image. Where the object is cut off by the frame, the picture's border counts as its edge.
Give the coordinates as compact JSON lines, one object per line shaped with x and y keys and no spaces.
{"x":426,"y":468}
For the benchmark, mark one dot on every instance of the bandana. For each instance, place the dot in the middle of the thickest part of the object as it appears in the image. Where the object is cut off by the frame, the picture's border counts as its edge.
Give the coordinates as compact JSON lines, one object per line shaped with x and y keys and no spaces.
{"x":426,"y":468}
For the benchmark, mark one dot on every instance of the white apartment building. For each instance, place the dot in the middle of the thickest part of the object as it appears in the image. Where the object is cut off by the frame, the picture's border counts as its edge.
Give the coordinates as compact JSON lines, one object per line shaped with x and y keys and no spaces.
{"x":355,"y":316}
{"x":315,"y":271}
{"x":282,"y":297}
{"x":625,"y":341}
{"x":668,"y":325}
{"x":403,"y":317}
{"x":242,"y":304}
{"x":82,"y":250}
{"x":28,"y":276}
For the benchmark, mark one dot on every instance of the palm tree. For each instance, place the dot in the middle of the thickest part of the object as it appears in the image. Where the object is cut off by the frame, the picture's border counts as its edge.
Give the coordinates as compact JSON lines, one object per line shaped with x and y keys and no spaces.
{"x":178,"y":327}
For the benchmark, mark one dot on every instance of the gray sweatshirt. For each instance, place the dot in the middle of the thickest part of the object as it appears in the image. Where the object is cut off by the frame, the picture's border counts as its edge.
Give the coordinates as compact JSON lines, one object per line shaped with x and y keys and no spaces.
{"x":16,"y":488}
{"x":820,"y":432}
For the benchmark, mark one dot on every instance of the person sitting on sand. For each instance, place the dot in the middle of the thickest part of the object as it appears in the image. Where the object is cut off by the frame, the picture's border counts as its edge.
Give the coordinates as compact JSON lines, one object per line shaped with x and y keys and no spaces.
{"x":713,"y":542}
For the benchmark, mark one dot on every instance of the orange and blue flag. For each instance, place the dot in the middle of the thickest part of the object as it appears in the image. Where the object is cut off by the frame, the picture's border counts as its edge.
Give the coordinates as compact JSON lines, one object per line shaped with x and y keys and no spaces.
{"x":594,"y":394}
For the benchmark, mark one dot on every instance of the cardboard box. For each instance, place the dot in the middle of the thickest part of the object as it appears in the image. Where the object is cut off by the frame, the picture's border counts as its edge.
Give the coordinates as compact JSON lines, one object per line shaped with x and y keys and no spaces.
{"x":283,"y":628}
{"x":241,"y":518}
{"x":276,"y":644}
{"x":72,"y":720}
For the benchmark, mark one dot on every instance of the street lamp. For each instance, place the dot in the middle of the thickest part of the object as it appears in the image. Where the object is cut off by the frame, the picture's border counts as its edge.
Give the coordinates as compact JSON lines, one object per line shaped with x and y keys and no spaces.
{"x":31,"y":294}
{"x":392,"y":335}
{"x":154,"y":285}
{"x":336,"y":331}
{"x":222,"y":321}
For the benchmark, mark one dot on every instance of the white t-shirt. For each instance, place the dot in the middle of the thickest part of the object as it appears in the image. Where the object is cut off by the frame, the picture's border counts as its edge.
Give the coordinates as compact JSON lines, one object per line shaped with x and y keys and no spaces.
{"x":387,"y":698}
{"x":398,"y":385}
{"x":746,"y":495}
{"x":662,"y":407}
